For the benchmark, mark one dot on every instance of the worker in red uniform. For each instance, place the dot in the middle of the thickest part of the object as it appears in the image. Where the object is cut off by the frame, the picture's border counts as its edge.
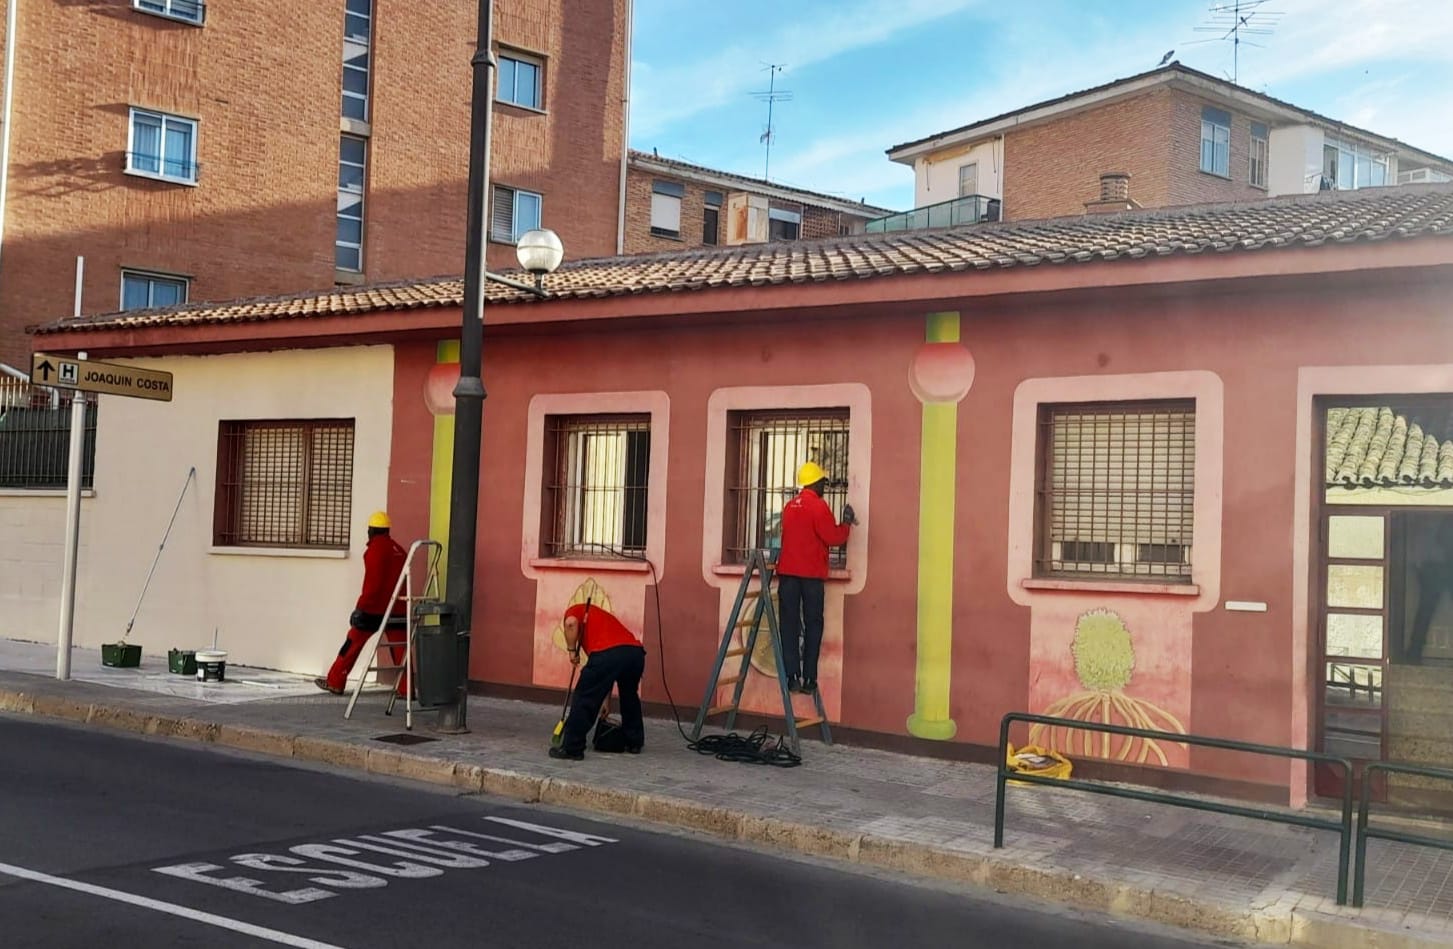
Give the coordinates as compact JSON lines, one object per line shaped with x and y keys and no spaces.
{"x":808,"y":530}
{"x":615,"y":658}
{"x":383,"y":561}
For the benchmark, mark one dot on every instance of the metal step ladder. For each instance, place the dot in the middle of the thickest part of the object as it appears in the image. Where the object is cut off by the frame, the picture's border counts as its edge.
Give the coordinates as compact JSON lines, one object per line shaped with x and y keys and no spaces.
{"x":758,"y":606}
{"x":418,"y":606}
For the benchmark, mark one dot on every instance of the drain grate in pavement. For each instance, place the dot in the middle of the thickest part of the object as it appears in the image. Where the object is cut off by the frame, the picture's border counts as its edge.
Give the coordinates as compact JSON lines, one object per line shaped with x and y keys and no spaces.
{"x":404,"y":738}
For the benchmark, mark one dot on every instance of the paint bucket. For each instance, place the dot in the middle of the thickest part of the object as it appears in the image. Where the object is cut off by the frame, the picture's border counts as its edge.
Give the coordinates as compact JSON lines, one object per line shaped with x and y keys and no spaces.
{"x":211,"y":665}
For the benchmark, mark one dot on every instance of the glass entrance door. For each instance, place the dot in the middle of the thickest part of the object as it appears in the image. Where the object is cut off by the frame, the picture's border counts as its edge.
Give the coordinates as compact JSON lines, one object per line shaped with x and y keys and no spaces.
{"x":1354,"y":637}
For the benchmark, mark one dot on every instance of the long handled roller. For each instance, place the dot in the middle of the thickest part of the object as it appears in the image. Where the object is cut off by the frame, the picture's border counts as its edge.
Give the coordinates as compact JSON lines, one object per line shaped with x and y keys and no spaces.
{"x":559,"y":734}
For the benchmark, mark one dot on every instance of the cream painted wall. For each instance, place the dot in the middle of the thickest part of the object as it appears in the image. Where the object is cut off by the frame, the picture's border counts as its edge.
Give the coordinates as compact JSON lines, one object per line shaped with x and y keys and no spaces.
{"x":270,"y":610}
{"x":32,"y":543}
{"x":936,"y":176}
{"x":1294,"y":159}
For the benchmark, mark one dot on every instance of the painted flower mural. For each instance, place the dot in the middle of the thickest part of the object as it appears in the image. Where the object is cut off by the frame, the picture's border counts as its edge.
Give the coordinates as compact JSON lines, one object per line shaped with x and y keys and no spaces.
{"x":1104,"y":661}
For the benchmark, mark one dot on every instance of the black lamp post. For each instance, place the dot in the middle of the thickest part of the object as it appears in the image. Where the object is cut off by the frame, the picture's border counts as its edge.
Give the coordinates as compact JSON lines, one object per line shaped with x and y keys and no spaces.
{"x":539,"y":251}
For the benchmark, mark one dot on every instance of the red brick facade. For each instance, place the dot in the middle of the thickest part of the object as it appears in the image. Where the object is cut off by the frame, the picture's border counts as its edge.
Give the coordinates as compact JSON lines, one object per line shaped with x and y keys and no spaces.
{"x":261,"y":218}
{"x":1054,"y":168}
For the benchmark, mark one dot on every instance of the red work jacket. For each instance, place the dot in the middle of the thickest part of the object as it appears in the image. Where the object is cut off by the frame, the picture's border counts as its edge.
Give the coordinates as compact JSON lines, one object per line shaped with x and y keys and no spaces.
{"x":808,"y":530}
{"x":602,"y":630}
{"x":383,"y":561}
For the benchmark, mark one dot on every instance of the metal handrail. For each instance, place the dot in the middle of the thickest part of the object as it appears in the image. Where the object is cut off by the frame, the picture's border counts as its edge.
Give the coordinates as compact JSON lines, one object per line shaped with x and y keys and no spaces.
{"x":1364,"y":832}
{"x":1343,"y":827}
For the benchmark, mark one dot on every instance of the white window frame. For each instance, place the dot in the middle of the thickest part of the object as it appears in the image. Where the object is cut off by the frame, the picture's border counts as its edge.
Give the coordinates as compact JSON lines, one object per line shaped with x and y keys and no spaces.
{"x":785,"y":217}
{"x":973,"y":168}
{"x":1258,"y":156}
{"x":152,"y":277}
{"x":1353,"y":156}
{"x":666,"y":208}
{"x":362,"y":195}
{"x":161,"y":158}
{"x":515,"y":56}
{"x":1209,"y":130}
{"x":502,"y":191}
{"x":168,"y":9}
{"x":366,"y":44}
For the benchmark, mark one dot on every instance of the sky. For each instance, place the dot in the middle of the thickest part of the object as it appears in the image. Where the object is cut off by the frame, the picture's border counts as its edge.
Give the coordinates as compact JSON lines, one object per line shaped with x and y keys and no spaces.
{"x":869,"y":74}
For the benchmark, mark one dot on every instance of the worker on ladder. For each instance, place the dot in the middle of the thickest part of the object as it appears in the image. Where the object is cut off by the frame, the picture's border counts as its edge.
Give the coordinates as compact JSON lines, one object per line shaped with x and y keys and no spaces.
{"x":383,"y":561}
{"x":808,"y":531}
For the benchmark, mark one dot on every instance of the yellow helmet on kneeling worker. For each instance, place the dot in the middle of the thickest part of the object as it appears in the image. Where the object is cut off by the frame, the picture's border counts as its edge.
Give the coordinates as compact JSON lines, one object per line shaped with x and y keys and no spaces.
{"x":380,"y":519}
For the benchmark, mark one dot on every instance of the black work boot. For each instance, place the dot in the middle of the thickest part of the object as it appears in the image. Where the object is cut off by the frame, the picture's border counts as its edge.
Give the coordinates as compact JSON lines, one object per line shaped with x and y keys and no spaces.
{"x":566,"y":755}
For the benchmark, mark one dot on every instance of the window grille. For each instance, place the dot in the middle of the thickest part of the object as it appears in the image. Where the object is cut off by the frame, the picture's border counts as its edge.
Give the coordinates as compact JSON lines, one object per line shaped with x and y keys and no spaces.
{"x":764,"y":452}
{"x":597,"y":490}
{"x":284,"y":483}
{"x":35,"y":436}
{"x":1116,"y":490}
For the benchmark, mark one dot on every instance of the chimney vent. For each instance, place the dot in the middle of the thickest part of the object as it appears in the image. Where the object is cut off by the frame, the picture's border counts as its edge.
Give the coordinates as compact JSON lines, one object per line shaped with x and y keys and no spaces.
{"x":1114,"y":194}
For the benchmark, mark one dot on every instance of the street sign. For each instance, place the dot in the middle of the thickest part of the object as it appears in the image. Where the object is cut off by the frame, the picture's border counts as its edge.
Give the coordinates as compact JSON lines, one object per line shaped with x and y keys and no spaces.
{"x":85,"y":375}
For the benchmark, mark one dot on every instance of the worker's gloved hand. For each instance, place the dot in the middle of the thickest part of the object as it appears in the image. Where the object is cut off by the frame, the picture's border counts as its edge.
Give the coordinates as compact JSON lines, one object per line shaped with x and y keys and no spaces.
{"x":848,"y":516}
{"x":358,"y":619}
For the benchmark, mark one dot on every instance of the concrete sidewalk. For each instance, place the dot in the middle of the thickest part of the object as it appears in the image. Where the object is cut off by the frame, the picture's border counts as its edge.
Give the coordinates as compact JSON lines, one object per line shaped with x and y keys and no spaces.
{"x":1220,"y":875}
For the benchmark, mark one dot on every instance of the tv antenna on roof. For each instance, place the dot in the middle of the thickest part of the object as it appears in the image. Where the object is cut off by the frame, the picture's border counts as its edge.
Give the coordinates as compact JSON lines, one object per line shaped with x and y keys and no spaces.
{"x":1234,"y":19}
{"x":771,"y":96}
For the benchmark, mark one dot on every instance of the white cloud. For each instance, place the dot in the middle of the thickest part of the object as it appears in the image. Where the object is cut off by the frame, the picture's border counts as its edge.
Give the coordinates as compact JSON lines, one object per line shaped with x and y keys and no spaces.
{"x":666,"y":94}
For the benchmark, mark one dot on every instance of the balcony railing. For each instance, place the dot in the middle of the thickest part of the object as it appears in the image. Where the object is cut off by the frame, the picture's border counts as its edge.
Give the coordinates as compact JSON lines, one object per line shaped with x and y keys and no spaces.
{"x":970,"y":209}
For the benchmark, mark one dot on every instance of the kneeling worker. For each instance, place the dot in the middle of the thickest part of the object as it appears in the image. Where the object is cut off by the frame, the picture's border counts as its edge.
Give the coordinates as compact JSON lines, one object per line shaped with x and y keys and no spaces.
{"x":616,"y":658}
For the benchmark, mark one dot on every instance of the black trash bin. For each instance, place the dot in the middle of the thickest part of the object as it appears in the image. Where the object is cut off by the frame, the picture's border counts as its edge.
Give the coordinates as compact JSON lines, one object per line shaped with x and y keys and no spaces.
{"x":438,"y":654}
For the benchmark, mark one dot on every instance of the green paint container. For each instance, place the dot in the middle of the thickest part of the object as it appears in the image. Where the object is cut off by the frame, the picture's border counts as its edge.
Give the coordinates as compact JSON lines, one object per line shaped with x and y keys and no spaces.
{"x":182,"y":662}
{"x":120,"y":655}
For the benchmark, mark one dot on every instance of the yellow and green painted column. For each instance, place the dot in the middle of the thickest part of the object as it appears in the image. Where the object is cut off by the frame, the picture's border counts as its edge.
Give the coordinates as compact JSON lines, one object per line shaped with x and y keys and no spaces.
{"x":942,"y":372}
{"x":440,"y":400}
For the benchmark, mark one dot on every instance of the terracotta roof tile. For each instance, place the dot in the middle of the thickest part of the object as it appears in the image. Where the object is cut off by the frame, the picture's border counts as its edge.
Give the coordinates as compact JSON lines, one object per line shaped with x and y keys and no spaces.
{"x":1375,"y":447}
{"x":1304,"y":221}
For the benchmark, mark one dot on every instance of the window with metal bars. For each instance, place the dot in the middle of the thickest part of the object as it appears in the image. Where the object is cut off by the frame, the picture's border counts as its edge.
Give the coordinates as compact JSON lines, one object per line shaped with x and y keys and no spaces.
{"x":1116,"y":490}
{"x":764,"y":452}
{"x":596,"y":493}
{"x":286,"y":483}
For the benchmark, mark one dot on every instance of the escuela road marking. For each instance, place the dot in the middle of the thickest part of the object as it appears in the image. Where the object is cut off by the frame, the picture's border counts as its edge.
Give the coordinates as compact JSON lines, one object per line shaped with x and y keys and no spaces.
{"x":222,"y":922}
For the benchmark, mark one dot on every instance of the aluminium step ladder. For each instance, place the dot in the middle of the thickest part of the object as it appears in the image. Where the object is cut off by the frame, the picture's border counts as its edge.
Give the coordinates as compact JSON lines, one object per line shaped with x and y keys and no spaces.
{"x":759,"y":607}
{"x":418,"y":605}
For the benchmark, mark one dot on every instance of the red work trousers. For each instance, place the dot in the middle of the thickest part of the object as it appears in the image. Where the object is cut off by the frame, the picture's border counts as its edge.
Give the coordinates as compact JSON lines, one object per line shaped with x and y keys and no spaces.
{"x":353,"y":645}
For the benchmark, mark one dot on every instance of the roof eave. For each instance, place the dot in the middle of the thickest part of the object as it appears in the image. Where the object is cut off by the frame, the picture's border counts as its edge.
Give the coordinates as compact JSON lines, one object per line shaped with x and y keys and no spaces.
{"x":738,"y":183}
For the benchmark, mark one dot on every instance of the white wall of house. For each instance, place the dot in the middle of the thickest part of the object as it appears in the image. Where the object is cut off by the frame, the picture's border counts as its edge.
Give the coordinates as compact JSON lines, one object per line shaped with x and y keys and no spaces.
{"x":32,"y":539}
{"x":276,"y":609}
{"x":936,"y":175}
{"x":1294,"y":159}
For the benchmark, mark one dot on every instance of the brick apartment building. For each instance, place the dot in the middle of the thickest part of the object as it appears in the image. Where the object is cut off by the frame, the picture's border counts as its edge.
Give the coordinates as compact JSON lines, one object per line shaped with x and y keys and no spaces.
{"x":1171,"y":136}
{"x":198,"y":151}
{"x":672,"y":204}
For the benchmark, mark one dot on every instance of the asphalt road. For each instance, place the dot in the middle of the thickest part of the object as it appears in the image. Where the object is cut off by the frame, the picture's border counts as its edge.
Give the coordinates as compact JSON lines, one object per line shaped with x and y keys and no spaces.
{"x":119,"y":841}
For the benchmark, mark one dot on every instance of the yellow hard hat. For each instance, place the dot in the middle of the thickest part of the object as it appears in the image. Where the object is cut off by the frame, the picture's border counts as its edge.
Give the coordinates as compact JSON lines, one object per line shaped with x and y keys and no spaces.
{"x":810,"y":473}
{"x":380,"y":519}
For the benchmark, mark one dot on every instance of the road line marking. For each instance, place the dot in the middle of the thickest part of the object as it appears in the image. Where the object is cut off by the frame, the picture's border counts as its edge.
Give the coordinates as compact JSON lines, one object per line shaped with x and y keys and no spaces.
{"x":222,"y":922}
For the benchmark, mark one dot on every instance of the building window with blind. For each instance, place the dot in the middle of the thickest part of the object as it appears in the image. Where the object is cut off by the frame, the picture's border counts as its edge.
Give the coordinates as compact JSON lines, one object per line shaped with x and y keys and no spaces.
{"x":764,"y":451}
{"x":1116,"y":490}
{"x":162,"y":146}
{"x":666,"y":208}
{"x":1260,"y":152}
{"x":517,"y":81}
{"x":357,"y":38}
{"x":512,"y":213}
{"x":597,"y":470}
{"x":286,"y":483}
{"x":1216,"y":141}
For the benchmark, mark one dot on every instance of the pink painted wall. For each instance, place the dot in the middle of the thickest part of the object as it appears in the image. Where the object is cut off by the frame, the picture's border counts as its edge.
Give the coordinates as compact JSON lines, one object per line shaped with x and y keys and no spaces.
{"x":1252,"y":341}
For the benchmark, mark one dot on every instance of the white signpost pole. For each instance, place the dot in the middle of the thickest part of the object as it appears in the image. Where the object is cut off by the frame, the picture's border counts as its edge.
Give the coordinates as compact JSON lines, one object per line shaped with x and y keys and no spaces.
{"x":73,"y":512}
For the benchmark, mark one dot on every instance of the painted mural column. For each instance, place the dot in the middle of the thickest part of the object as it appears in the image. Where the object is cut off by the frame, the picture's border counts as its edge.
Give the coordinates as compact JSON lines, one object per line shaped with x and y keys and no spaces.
{"x":940,"y":377}
{"x":439,"y":398}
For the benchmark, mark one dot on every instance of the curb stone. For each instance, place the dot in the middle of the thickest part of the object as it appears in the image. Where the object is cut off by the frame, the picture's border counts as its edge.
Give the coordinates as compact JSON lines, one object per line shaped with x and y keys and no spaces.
{"x":1281,"y":923}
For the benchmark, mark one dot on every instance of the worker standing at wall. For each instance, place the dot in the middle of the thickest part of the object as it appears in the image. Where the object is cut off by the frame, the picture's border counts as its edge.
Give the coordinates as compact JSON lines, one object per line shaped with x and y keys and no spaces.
{"x":383,"y":561}
{"x":808,"y":531}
